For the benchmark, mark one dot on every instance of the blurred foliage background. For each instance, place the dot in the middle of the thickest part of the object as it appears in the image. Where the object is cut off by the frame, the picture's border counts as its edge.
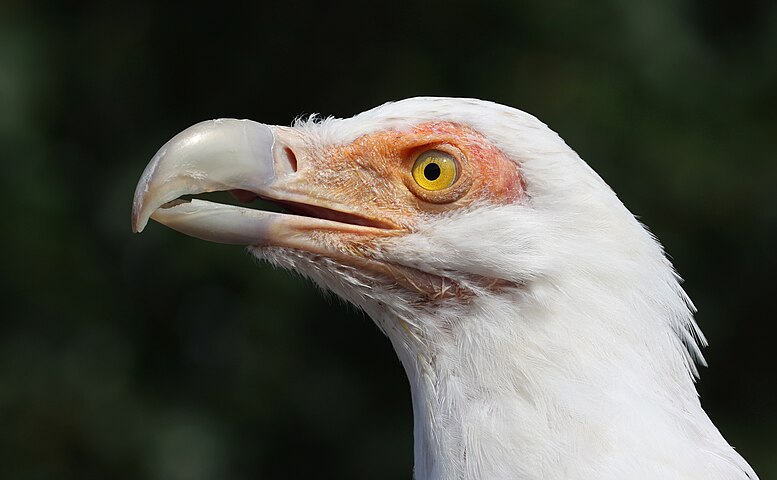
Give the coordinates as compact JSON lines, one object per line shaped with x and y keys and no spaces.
{"x":163,"y":357}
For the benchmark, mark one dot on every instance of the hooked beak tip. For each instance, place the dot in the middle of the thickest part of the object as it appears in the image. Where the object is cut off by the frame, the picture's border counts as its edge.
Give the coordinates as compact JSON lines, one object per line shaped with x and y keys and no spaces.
{"x":139,"y":214}
{"x":214,"y":155}
{"x":137,"y":225}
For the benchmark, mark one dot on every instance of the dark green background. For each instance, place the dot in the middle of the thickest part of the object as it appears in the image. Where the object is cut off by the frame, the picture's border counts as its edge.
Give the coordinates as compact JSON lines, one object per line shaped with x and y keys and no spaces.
{"x":162,"y":357}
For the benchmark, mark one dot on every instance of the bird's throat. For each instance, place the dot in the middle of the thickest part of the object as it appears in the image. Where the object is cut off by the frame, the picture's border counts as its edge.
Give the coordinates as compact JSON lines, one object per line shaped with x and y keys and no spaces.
{"x":472,"y":402}
{"x":500,"y":396}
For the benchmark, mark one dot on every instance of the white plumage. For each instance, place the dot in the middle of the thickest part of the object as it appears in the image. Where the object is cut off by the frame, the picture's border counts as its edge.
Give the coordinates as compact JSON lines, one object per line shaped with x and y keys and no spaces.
{"x":570,"y":351}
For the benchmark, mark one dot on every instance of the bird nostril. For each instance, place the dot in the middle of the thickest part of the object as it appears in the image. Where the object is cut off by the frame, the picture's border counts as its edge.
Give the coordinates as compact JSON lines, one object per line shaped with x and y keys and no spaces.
{"x":291,"y":158}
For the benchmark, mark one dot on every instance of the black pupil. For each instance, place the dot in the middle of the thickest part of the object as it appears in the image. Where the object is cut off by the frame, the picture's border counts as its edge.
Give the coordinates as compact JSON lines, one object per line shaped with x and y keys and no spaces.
{"x":432,"y":171}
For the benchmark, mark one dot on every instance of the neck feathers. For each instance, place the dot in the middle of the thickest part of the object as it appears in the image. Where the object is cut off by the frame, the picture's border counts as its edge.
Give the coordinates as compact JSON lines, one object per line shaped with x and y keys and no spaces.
{"x":586,"y":371}
{"x":529,"y":386}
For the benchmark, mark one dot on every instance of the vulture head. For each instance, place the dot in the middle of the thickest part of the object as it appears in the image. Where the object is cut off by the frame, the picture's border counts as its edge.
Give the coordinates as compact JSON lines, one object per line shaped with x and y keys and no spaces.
{"x":543,"y":331}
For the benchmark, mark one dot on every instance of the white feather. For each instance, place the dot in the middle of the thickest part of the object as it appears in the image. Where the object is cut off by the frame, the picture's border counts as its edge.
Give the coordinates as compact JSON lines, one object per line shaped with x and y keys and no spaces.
{"x":585,"y":371}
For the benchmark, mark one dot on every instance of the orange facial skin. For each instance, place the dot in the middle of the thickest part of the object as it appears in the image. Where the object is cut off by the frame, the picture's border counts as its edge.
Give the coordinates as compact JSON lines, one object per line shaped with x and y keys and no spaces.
{"x":369,"y":182}
{"x":372,"y":176}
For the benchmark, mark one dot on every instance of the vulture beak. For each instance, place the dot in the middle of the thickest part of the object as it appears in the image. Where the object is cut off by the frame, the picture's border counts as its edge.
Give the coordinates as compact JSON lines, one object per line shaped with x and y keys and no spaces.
{"x":346,"y":201}
{"x":251,"y":160}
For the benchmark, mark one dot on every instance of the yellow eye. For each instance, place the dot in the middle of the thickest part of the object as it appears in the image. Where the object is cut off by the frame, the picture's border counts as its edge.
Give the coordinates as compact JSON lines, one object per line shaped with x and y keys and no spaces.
{"x":435,"y":170}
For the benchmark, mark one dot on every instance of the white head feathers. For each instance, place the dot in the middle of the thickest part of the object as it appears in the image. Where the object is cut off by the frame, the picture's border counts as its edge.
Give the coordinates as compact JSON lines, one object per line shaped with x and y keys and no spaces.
{"x":585,"y":371}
